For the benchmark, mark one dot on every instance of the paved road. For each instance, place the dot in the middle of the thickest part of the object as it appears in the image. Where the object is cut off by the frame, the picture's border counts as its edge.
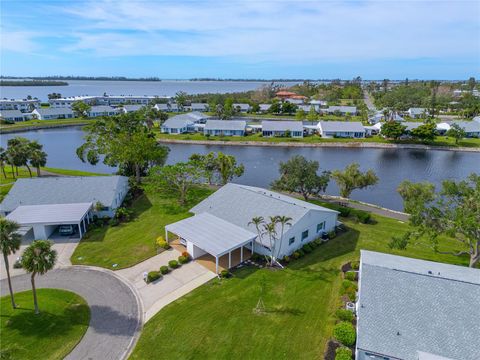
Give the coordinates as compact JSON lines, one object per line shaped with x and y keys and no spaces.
{"x":368,"y":101}
{"x":115,"y":312}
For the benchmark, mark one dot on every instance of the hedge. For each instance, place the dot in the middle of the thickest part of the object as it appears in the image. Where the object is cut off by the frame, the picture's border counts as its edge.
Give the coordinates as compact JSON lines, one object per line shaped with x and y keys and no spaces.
{"x":153,"y":275}
{"x":344,"y":315}
{"x":164,"y":269}
{"x":173,"y":264}
{"x":345,"y":333}
{"x":343,"y":353}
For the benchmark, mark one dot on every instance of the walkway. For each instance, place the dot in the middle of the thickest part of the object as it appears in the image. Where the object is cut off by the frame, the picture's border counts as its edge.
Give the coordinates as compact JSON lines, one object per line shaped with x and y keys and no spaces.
{"x":170,"y":287}
{"x":116,"y":317}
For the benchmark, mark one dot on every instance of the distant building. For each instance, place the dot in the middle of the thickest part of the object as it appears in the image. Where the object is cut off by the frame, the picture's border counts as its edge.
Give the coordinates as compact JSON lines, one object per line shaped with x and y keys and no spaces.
{"x":341,"y":129}
{"x":416,"y":113}
{"x":471,"y":128}
{"x":198,"y":107}
{"x":183,"y":123}
{"x":344,"y":110}
{"x":413,"y":309}
{"x":130,"y":108}
{"x":169,"y":107}
{"x":283,"y":94}
{"x":293,"y":129}
{"x":263,"y":108}
{"x":243,"y":108}
{"x":14,"y":115}
{"x":318,"y":102}
{"x":105,"y":100}
{"x":225,"y":127}
{"x":23,"y":105}
{"x":294,"y":101}
{"x":52,"y":113}
{"x":103,"y":110}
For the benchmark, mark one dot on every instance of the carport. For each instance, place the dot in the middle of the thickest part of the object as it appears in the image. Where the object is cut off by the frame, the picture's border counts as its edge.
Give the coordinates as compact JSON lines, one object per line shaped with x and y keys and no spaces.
{"x":206,"y":233}
{"x":44,"y":219}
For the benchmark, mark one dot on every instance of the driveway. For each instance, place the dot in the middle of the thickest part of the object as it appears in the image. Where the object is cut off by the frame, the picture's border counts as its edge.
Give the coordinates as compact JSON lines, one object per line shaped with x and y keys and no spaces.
{"x":116,"y":315}
{"x":170,"y":287}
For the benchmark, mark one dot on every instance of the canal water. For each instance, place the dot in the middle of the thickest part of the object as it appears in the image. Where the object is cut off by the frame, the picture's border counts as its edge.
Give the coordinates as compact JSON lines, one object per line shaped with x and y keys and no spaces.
{"x":261,"y":163}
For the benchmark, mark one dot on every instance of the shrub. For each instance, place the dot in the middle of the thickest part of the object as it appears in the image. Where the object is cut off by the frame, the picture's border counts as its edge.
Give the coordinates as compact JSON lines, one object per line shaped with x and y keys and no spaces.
{"x":313,"y":245}
{"x":296,"y":255}
{"x":345,"y":333}
{"x":173,"y":264}
{"x":331,"y":234}
{"x":186,"y":254}
{"x":361,"y":216}
{"x":343,"y":353}
{"x":307,"y":248}
{"x":255,"y":257}
{"x":183,"y":259}
{"x":346,"y":284}
{"x":286,"y":259}
{"x":351,"y":275}
{"x":301,"y":252}
{"x":344,"y":315}
{"x":164,"y":269}
{"x":153,"y":275}
{"x":17,"y":264}
{"x":318,"y":241}
{"x":113,"y":222}
{"x":224,"y":274}
{"x":123,"y":214}
{"x":355,"y":265}
{"x":161,"y":243}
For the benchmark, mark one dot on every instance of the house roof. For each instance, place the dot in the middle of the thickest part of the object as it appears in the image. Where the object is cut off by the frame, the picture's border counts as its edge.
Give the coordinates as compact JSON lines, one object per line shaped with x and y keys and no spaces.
{"x":342,"y":109}
{"x":408,"y":305}
{"x":202,"y":106}
{"x":130,"y":108}
{"x":468,"y":126}
{"x":54,"y":111}
{"x":417,"y":111}
{"x":63,"y":190}
{"x":476,"y":118}
{"x":264,"y":107}
{"x":241,"y":106}
{"x":238,"y":204}
{"x":183,"y":120}
{"x":225,"y":125}
{"x":211,"y":233}
{"x":341,"y":126}
{"x":12,"y":113}
{"x":282,"y":125}
{"x":412,"y":125}
{"x":102,"y":108}
{"x":49,"y":214}
{"x":196,"y":115}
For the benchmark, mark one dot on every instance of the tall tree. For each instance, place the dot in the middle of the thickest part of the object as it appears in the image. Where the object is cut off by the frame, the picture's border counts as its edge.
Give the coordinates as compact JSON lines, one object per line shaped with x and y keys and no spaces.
{"x":18,"y":153}
{"x":179,"y":178}
{"x":3,"y":161}
{"x":299,"y":175}
{"x":38,"y":258}
{"x":453,"y":211}
{"x":312,"y":114}
{"x":81,"y":109}
{"x":352,"y":178}
{"x":270,"y":229}
{"x":181,"y":100}
{"x":257,"y":221}
{"x":392,"y":130}
{"x":457,"y":132}
{"x":124,"y":141}
{"x":425,"y":132}
{"x":37,"y":156}
{"x":207,"y":164}
{"x":228,"y":168}
{"x":283,"y":221}
{"x":10,"y":241}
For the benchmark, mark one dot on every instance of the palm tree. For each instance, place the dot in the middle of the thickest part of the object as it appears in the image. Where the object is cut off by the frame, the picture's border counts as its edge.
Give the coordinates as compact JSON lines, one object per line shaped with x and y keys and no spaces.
{"x":257,"y":221}
{"x":38,"y":157}
{"x":10,"y":241}
{"x":38,"y":258}
{"x":283,"y":221}
{"x":3,"y":161}
{"x":270,"y":229}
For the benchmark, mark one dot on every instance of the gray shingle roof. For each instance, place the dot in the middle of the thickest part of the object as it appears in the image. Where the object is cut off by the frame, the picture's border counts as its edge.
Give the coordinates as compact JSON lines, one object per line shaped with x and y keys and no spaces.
{"x":282,"y":125}
{"x":238,"y":204}
{"x":130,"y":108}
{"x":54,"y":111}
{"x":341,"y":126}
{"x":468,"y":126}
{"x":417,"y":111}
{"x":242,"y":106}
{"x":408,"y":305}
{"x":225,"y":125}
{"x":51,"y":213}
{"x":102,"y":108}
{"x":63,"y":190}
{"x":342,"y":109}
{"x":178,"y":122}
{"x":12,"y":113}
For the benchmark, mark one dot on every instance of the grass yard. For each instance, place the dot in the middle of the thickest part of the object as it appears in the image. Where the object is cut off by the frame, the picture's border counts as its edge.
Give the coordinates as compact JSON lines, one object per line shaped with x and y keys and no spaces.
{"x":69,"y":172}
{"x":130,"y":243}
{"x":216,"y":320}
{"x":39,"y":123}
{"x":61,"y":324}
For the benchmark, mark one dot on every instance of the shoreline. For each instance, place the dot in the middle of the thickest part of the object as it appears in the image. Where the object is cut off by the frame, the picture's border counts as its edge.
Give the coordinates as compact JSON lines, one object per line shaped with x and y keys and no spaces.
{"x":353,"y":145}
{"x":40,"y":127}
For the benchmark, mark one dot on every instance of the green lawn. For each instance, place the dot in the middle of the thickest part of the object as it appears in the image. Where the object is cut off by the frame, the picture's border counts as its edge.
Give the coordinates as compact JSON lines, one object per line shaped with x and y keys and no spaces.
{"x":69,"y":172}
{"x":39,"y":123}
{"x":130,"y":243}
{"x":62,"y":322}
{"x":216,"y":320}
{"x":314,"y":139}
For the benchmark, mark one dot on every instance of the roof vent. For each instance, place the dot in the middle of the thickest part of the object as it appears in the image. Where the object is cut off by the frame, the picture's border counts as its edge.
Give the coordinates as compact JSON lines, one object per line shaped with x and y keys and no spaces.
{"x":398,"y":333}
{"x":430,"y":272}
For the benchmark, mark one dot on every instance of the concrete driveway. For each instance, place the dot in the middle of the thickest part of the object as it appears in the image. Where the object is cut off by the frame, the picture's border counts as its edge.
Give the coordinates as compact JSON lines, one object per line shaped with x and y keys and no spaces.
{"x":170,"y":287}
{"x":116,"y":315}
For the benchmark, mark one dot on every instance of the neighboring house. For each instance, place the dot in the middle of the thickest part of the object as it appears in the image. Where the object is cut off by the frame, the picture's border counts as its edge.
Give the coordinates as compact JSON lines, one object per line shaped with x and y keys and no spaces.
{"x":198,"y":107}
{"x":222,"y":222}
{"x":52,"y":113}
{"x":45,"y":203}
{"x":130,"y":108}
{"x":318,"y":102}
{"x":170,"y":107}
{"x":263,"y":108}
{"x":243,"y":108}
{"x":105,"y":100}
{"x":294,"y":101}
{"x":344,"y":110}
{"x":472,"y":128}
{"x":68,"y":101}
{"x":413,"y":309}
{"x":178,"y":124}
{"x":198,"y":117}
{"x":379,"y":116}
{"x":476,"y":118}
{"x":293,"y":129}
{"x":341,"y":129}
{"x":102,"y":110}
{"x":24,"y":105}
{"x":14,"y":115}
{"x":225,"y":127}
{"x":416,"y":113}
{"x":411,"y":125}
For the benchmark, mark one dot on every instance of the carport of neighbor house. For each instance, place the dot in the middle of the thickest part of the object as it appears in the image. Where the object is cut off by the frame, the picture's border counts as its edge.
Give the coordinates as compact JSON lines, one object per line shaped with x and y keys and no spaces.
{"x":44,"y":219}
{"x":207,"y":234}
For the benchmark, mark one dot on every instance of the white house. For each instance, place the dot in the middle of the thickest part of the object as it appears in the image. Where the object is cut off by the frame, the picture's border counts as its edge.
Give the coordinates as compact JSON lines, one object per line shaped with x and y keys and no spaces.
{"x":168,"y":107}
{"x":413,"y":309}
{"x":105,"y":100}
{"x":222,"y":223}
{"x":178,"y":124}
{"x":102,"y":110}
{"x":198,"y":107}
{"x":341,"y":129}
{"x":225,"y":127}
{"x":24,"y":105}
{"x":344,"y":110}
{"x":14,"y":115}
{"x":379,"y":116}
{"x":263,"y":108}
{"x":243,"y":108}
{"x":416,"y":113}
{"x":52,"y":113}
{"x":318,"y":102}
{"x":68,"y":101}
{"x":130,"y":108}
{"x":293,"y":129}
{"x":471,"y":128}
{"x":294,"y":101}
{"x":44,"y":203}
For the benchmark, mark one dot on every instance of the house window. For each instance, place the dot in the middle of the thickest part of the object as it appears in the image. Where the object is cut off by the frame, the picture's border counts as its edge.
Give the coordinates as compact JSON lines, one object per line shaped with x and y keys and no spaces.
{"x":291,"y":240}
{"x":320,"y":226}
{"x":304,"y":235}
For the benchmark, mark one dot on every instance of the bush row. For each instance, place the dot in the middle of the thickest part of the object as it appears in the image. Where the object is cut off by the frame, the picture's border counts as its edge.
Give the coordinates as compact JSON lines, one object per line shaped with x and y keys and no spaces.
{"x":172,"y":264}
{"x":361,"y":215}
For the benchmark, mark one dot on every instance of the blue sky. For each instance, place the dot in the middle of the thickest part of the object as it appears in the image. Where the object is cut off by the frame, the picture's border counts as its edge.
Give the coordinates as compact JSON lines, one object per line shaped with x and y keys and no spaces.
{"x":242,"y":39}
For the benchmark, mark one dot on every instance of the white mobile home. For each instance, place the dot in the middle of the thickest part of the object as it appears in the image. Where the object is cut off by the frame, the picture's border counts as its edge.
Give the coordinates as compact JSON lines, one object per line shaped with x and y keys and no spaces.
{"x":343,"y":110}
{"x":341,"y":129}
{"x":24,"y":105}
{"x":52,"y":113}
{"x":416,"y":113}
{"x":292,"y":129}
{"x":14,"y":115}
{"x":225,"y":127}
{"x":102,"y":110}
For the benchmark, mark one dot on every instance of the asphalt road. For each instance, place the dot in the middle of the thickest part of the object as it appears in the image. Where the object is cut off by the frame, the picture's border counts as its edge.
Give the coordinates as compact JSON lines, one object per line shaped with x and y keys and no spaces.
{"x":116,"y":317}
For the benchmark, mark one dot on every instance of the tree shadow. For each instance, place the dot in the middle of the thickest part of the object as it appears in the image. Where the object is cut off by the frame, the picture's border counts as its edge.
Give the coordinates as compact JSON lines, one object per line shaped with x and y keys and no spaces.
{"x":285,"y":311}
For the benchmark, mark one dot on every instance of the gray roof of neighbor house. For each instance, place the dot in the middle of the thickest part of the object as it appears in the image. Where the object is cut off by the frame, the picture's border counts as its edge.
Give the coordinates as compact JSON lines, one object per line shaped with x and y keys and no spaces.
{"x":342,"y":109}
{"x":211,"y":233}
{"x":411,"y":125}
{"x":476,"y":118}
{"x":102,"y":108}
{"x":197,"y":115}
{"x":468,"y":126}
{"x":178,"y":122}
{"x":202,"y":106}
{"x":64,"y":190}
{"x":242,"y":106}
{"x":49,"y":214}
{"x":12,"y":113}
{"x":408,"y":305}
{"x":341,"y":126}
{"x":54,"y":111}
{"x":238,"y":204}
{"x":264,"y":107}
{"x":282,"y":125}
{"x":225,"y":125}
{"x":417,"y":111}
{"x":130,"y":108}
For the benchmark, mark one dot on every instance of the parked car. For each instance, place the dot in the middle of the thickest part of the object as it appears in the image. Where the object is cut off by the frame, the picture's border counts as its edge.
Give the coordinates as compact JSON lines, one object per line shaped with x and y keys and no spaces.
{"x":66,"y":230}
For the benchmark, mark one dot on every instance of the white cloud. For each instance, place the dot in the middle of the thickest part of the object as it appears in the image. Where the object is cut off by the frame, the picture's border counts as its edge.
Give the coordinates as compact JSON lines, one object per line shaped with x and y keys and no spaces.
{"x":18,"y":41}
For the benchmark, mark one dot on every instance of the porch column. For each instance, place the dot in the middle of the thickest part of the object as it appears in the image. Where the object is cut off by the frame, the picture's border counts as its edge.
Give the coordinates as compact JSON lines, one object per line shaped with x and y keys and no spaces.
{"x":166,"y":235}
{"x":80,"y":230}
{"x":88,"y":217}
{"x":229,"y":259}
{"x":216,"y":264}
{"x":84,"y":225}
{"x":241,"y":254}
